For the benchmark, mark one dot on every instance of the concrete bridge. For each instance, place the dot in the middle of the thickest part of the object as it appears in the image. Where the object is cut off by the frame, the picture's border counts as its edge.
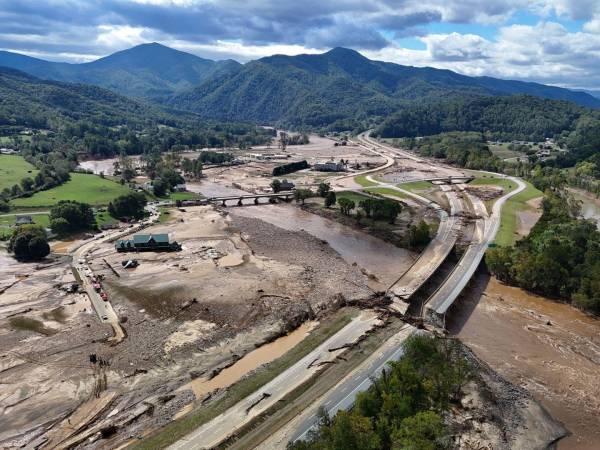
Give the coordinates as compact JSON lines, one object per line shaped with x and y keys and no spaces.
{"x":285,"y":196}
{"x":450,"y":180}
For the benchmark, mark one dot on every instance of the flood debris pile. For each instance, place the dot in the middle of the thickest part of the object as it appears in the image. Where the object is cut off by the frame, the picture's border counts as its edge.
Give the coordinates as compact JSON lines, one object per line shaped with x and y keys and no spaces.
{"x":235,"y":285}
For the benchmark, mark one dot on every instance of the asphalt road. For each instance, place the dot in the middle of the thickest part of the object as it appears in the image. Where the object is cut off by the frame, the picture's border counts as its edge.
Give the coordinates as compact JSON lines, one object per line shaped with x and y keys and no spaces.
{"x":221,"y":427}
{"x":104,"y":309}
{"x":486,"y":230}
{"x":343,"y":396}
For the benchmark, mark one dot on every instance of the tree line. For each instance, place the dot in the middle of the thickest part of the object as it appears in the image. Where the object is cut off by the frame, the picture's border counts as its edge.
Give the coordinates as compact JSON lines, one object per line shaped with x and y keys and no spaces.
{"x":560,"y":258}
{"x":405,"y":406}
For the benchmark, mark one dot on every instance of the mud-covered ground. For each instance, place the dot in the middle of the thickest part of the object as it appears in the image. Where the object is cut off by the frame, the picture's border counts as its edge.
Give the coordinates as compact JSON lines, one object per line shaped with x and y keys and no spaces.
{"x":495,"y":414}
{"x":235,"y":285}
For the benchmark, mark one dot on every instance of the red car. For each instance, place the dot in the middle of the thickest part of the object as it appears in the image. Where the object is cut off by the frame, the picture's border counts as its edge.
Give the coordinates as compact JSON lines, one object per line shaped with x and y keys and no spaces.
{"x":103,"y":296}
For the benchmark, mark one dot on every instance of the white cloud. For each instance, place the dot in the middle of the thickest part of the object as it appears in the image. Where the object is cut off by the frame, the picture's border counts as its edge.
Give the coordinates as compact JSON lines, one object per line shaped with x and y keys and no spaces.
{"x":120,"y":36}
{"x":239,"y":51}
{"x":546,"y":52}
{"x":457,"y":47}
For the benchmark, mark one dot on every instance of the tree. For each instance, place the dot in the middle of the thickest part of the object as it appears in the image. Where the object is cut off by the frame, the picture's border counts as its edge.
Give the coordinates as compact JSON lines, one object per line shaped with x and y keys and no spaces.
{"x":27,"y":184}
{"x":276,"y":185}
{"x":302,"y":194}
{"x":4,"y":206}
{"x":16,"y":191}
{"x":39,"y":180}
{"x":76,"y":216}
{"x":128,"y":206}
{"x":346,"y":205}
{"x":159,"y":188}
{"x":60,"y":226}
{"x":29,"y":242}
{"x":330,"y":199}
{"x":367,"y":206}
{"x":419,"y":235}
{"x":323,"y":189}
{"x":423,"y":431}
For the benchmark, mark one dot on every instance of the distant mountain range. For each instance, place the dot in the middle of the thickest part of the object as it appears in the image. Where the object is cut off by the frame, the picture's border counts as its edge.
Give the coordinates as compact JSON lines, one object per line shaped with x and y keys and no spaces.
{"x":147,"y":70}
{"x":338,"y":86}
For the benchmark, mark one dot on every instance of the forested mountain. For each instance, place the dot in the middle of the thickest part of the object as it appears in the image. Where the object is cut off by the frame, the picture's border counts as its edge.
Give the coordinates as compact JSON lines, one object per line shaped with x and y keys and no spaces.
{"x":339,"y":89}
{"x":26,"y":101}
{"x":147,"y":70}
{"x":318,"y":90}
{"x":512,"y":117}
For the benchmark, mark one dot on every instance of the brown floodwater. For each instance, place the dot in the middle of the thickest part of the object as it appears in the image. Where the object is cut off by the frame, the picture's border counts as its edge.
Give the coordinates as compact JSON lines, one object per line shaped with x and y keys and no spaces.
{"x":382,"y":259}
{"x":256,"y":358}
{"x":549,"y":348}
{"x":590,"y":205}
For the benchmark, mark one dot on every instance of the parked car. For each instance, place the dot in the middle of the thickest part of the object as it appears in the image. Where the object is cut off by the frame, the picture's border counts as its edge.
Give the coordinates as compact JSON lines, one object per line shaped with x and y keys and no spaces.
{"x":97,"y":287}
{"x":103,"y":296}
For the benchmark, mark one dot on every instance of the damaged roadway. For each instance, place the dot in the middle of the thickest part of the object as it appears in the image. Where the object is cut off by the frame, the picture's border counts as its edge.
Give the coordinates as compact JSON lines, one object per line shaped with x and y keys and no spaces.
{"x":252,"y":281}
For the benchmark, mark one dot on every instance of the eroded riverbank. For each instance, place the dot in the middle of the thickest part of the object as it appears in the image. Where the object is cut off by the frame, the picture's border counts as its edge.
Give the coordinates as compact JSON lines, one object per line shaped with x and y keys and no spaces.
{"x":550,"y":349}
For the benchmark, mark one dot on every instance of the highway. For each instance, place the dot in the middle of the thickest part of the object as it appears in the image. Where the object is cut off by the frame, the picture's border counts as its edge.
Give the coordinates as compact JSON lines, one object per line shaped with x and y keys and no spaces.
{"x":343,"y":396}
{"x":485,"y":232}
{"x":440,"y":246}
{"x":220,"y":428}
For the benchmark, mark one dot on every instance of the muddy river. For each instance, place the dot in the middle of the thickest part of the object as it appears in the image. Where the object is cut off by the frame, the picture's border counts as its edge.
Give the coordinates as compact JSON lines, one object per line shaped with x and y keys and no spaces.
{"x":385,"y":260}
{"x":377,"y":257}
{"x":549,"y":348}
{"x":590,"y":205}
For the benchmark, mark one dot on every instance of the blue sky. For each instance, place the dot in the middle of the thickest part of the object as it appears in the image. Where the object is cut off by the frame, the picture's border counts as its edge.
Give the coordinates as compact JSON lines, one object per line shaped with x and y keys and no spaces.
{"x":549,"y":41}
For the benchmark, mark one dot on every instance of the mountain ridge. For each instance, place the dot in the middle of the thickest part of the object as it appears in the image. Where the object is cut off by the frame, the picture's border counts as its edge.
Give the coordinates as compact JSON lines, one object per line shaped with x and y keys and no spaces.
{"x":307,"y":90}
{"x":148,"y":71}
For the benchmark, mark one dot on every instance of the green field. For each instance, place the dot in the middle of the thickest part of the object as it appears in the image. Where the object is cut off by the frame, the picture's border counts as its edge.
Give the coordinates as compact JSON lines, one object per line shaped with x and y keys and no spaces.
{"x":507,"y":234}
{"x":174,"y":196}
{"x":13,"y":168}
{"x":416,"y":186}
{"x":362,"y":180}
{"x":502,"y":151}
{"x":7,"y":220}
{"x":350,"y":195}
{"x":387,"y":191}
{"x":504,"y":183}
{"x":81,"y":187}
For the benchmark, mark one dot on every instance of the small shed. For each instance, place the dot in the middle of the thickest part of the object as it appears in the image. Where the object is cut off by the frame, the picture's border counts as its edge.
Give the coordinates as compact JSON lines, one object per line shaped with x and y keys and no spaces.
{"x":23,"y":220}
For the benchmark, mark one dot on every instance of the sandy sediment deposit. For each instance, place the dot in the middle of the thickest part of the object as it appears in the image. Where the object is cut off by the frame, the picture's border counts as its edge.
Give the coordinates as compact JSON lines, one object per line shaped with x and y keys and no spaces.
{"x":235,"y":285}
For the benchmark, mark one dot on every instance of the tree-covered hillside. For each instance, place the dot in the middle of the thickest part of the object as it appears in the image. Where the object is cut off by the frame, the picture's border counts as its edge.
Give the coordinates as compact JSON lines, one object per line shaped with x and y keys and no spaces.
{"x":514,"y":117}
{"x":341,"y":85}
{"x":26,"y":101}
{"x":146,"y":71}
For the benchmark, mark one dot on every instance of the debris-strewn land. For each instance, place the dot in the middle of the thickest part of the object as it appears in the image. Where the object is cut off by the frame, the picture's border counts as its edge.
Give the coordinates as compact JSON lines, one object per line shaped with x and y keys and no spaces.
{"x":186,"y":314}
{"x":495,"y":414}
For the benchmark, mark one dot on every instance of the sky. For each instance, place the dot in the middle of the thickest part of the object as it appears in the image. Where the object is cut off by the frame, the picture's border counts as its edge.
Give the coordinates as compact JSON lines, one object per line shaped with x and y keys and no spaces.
{"x":549,"y":41}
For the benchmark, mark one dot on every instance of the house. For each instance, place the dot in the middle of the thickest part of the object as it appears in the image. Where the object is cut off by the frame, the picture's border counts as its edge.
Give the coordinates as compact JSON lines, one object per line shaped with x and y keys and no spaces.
{"x":180,"y":188}
{"x":287,"y":185}
{"x":147,"y":243}
{"x":329,"y":166}
{"x":23,"y":220}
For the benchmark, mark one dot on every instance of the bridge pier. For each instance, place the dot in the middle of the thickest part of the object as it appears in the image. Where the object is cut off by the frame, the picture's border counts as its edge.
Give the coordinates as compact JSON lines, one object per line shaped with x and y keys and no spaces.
{"x":240,"y":203}
{"x":256,"y":200}
{"x":224,"y":203}
{"x":272,"y":200}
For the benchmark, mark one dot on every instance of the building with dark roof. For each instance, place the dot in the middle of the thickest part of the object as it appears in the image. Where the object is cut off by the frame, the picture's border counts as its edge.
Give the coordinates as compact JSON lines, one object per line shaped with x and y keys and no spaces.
{"x":23,"y":220}
{"x":147,"y":243}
